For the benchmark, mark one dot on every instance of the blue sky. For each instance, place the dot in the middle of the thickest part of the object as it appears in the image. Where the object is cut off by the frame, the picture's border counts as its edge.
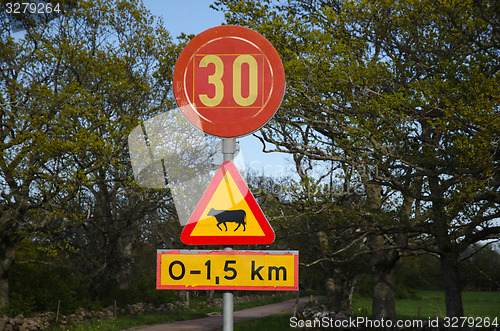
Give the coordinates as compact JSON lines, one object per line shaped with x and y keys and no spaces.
{"x":191,"y":16}
{"x":194,"y":17}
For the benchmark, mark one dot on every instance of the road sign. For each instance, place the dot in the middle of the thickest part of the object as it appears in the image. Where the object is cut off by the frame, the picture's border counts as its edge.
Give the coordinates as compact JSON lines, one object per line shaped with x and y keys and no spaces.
{"x":227,"y":270}
{"x":229,"y":81}
{"x":227,"y":214}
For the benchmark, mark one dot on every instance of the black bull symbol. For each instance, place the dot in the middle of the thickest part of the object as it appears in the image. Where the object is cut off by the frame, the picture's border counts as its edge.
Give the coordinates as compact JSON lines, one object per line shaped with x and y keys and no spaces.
{"x":225,"y":216}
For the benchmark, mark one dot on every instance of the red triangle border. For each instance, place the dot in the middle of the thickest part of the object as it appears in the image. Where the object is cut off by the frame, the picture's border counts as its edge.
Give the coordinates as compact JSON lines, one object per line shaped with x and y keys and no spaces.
{"x":225,"y":167}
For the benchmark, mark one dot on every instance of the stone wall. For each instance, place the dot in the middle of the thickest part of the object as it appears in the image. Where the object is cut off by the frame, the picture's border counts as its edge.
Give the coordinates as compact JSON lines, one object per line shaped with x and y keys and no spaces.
{"x":44,"y":320}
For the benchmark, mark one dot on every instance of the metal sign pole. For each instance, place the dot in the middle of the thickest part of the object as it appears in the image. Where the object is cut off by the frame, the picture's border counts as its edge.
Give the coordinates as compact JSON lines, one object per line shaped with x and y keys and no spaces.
{"x":227,"y":306}
{"x":228,"y":151}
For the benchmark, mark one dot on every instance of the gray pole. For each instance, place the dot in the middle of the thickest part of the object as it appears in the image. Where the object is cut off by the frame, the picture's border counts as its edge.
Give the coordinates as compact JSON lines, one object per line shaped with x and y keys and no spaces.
{"x":228,"y":150}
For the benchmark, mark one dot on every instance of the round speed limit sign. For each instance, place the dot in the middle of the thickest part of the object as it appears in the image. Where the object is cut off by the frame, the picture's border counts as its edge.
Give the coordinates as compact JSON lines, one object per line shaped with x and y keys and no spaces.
{"x":229,"y":81}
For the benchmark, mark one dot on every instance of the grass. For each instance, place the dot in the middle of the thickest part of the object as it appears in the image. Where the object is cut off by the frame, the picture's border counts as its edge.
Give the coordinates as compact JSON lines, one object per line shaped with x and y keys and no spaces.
{"x":199,"y":304}
{"x":269,"y":323}
{"x":127,"y":321}
{"x":476,"y":304}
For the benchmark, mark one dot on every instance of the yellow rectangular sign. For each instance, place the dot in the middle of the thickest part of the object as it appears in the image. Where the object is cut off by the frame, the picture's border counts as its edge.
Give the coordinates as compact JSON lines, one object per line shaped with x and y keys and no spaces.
{"x":227,"y":270}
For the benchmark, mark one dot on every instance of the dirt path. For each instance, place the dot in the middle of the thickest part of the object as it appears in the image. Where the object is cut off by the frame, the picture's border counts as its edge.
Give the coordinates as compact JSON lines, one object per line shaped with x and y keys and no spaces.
{"x":213,"y":323}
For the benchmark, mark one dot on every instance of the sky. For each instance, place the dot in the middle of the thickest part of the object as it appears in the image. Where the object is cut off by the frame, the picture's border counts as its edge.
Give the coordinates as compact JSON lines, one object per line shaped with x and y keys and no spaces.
{"x":194,"y":17}
{"x":190,"y":17}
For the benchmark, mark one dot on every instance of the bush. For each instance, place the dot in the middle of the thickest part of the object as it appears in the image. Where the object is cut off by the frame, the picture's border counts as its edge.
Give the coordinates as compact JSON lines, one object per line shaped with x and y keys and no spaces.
{"x":36,"y":287}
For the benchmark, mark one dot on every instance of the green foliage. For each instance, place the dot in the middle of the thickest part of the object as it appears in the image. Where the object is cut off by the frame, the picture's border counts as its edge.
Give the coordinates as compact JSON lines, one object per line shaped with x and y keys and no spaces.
{"x":71,"y":90}
{"x":423,"y":272}
{"x":419,"y":273}
{"x":40,"y":281}
{"x":408,"y":88}
{"x":394,"y":102}
{"x":142,"y":289}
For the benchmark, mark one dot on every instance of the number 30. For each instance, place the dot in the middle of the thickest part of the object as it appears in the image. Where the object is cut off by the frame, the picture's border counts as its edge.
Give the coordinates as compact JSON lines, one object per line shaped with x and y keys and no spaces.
{"x":216,"y":80}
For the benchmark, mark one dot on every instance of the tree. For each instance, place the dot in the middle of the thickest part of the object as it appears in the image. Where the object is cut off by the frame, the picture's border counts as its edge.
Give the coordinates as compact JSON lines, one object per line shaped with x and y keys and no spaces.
{"x":324,"y":227}
{"x":319,"y":119}
{"x":405,"y":93}
{"x":71,"y":91}
{"x":446,"y":65}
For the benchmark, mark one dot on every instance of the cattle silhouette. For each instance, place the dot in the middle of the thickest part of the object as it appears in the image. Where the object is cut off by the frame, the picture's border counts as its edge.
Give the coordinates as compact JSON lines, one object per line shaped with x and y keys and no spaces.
{"x":228,"y":216}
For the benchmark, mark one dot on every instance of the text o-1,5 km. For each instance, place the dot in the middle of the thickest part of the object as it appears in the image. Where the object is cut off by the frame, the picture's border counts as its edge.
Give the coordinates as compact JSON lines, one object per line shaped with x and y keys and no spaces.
{"x":228,"y":270}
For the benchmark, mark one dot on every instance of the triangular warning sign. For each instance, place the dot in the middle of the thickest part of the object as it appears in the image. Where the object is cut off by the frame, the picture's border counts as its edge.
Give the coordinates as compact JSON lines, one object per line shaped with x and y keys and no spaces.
{"x":227,"y":214}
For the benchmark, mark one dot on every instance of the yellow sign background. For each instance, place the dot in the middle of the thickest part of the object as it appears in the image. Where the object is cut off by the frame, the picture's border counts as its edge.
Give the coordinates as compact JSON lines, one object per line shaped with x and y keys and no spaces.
{"x":227,"y":196}
{"x":252,"y":270}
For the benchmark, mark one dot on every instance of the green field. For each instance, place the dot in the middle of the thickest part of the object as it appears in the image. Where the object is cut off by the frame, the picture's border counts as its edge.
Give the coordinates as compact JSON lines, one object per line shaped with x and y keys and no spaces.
{"x":476,"y":304}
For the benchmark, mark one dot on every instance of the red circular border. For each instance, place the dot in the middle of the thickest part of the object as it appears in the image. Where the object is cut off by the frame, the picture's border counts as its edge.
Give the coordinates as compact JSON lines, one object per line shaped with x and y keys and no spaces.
{"x":232,"y":128}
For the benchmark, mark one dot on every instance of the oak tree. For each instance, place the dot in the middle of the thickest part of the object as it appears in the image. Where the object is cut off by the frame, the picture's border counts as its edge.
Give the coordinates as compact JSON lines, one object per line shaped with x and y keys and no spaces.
{"x":71,"y":89}
{"x":404,"y":93}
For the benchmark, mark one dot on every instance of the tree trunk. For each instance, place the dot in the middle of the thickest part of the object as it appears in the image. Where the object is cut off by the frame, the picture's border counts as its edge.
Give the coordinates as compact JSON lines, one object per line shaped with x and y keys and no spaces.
{"x":384,"y":302}
{"x":452,"y":286}
{"x":384,"y":266}
{"x":7,"y":257}
{"x":4,"y":289}
{"x":339,"y":290}
{"x":383,"y":263}
{"x":449,"y":256}
{"x":124,"y":273}
{"x":343,"y":289}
